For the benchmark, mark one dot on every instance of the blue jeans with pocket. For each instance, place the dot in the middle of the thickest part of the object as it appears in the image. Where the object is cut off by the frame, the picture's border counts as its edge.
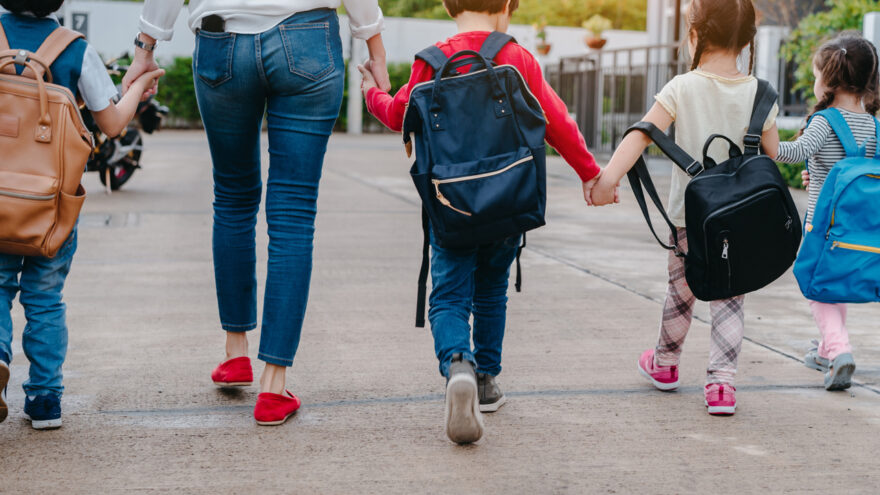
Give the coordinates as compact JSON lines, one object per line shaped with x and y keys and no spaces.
{"x":38,"y":282}
{"x":465,"y":282}
{"x":293,"y":74}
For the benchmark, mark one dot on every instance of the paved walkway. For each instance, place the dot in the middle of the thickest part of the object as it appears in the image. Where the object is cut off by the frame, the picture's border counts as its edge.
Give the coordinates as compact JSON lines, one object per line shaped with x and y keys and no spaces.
{"x":142,"y":415}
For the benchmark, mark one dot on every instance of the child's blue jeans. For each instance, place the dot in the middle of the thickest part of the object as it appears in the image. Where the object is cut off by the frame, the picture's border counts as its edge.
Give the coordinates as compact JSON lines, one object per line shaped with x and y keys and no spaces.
{"x":465,"y":282}
{"x":39,"y":282}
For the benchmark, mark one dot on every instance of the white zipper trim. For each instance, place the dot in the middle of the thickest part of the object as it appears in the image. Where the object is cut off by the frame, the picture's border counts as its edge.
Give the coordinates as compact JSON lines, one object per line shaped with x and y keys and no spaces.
{"x":37,"y":197}
{"x":483,"y":175}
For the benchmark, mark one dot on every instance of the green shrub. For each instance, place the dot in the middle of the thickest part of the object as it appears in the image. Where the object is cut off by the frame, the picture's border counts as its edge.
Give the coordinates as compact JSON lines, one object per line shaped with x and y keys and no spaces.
{"x":791,"y":172}
{"x":177,"y":92}
{"x":813,"y":30}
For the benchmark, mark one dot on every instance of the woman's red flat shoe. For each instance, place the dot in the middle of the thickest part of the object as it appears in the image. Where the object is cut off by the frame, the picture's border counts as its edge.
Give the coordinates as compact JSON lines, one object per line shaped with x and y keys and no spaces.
{"x":274,"y":409}
{"x":235,"y":372}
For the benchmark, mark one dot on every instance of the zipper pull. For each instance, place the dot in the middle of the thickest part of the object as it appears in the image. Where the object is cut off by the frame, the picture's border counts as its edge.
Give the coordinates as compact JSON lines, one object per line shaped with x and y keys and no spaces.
{"x":834,"y":245}
{"x":788,"y":224}
{"x":724,"y":254}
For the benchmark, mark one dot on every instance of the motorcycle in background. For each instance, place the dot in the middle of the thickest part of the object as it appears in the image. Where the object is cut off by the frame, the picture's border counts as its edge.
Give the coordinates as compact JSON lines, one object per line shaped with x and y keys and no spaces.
{"x":116,"y":159}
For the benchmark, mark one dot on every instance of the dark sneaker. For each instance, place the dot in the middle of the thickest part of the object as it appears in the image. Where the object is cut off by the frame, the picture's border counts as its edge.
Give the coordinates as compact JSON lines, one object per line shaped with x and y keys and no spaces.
{"x":491,"y":397}
{"x":4,"y":379}
{"x":464,"y":423}
{"x":839,"y":376}
{"x":44,"y":411}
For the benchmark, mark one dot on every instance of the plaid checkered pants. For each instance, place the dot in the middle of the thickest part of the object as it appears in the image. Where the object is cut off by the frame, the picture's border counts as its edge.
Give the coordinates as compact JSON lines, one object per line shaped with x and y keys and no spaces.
{"x":728,"y":324}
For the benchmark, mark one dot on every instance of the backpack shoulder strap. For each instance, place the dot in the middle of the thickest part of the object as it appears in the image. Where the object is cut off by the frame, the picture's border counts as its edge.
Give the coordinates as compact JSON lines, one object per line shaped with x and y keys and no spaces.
{"x":495,"y":42}
{"x":54,"y":45}
{"x":4,"y":43}
{"x":765,"y":98}
{"x":877,"y":139}
{"x":433,"y":56}
{"x":669,"y":148}
{"x":841,"y":129}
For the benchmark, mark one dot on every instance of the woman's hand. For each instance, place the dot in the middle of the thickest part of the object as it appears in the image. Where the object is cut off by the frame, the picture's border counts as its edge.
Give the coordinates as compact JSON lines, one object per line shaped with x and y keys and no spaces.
{"x":377,"y":65}
{"x":142,"y":63}
{"x":368,"y":82}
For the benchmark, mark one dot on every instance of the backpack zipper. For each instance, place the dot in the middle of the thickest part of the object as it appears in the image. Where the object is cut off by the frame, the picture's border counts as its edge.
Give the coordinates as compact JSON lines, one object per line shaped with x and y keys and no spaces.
{"x":854,"y":247}
{"x":524,"y":85}
{"x":35,"y":197}
{"x":445,"y":202}
{"x":725,"y":255}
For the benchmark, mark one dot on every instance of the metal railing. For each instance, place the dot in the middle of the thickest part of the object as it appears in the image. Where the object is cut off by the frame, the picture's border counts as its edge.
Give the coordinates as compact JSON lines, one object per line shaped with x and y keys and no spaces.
{"x":608,"y":91}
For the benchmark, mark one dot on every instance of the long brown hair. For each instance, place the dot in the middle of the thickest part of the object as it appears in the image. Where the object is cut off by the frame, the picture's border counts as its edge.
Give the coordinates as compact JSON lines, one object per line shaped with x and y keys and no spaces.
{"x":723,"y":25}
{"x":849,"y":63}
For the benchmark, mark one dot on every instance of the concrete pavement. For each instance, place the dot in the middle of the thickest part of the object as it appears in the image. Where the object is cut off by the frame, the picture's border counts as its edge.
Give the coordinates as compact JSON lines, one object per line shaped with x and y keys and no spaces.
{"x":141,"y":414}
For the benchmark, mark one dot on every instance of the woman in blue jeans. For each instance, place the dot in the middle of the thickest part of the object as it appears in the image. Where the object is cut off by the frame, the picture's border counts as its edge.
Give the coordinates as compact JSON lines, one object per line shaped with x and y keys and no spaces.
{"x":281,"y":59}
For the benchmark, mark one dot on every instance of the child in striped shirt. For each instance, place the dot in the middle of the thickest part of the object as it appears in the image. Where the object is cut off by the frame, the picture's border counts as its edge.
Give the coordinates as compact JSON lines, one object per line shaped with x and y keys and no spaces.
{"x":846,"y":79}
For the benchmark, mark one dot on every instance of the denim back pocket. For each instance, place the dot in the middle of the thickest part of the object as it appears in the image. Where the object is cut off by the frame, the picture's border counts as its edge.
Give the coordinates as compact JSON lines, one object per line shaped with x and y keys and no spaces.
{"x":213,"y":60}
{"x":308,"y":49}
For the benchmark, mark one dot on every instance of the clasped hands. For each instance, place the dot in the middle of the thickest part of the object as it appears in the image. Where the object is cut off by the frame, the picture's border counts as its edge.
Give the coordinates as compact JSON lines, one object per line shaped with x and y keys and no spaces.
{"x":601,"y":190}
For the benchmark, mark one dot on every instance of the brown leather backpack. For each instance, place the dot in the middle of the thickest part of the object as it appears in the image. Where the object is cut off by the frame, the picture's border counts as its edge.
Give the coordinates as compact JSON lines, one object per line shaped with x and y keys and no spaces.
{"x":44,"y":147}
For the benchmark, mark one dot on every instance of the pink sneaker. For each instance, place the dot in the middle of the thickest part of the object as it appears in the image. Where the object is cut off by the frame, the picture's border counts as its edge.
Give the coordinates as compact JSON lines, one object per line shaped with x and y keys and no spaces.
{"x":663,"y":377}
{"x":720,"y":399}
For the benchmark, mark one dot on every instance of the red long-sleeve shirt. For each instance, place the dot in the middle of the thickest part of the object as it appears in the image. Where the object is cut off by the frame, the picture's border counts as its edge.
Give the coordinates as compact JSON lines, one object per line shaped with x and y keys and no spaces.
{"x":562,"y":131}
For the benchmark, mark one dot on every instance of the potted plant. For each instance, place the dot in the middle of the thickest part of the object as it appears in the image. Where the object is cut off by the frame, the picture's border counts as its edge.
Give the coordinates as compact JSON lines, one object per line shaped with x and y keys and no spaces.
{"x":596,"y":26}
{"x":541,"y":34}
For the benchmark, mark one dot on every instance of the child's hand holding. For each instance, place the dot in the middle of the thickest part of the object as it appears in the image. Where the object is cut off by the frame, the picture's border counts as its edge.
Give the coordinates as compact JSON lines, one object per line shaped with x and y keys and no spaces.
{"x":369,"y":81}
{"x":805,"y":177}
{"x":146,"y":81}
{"x":601,"y":191}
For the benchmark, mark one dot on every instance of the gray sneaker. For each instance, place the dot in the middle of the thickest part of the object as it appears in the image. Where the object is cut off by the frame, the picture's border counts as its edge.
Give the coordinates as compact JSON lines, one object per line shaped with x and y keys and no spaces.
{"x":491,"y":397}
{"x":464,"y":423}
{"x":813,"y":361}
{"x":839,"y":377}
{"x":4,"y":379}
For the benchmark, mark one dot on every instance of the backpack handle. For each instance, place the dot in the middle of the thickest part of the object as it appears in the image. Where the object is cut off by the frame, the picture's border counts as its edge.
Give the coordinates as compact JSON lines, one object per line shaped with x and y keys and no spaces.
{"x":43,"y":132}
{"x":502,"y":109}
{"x":734,"y":149}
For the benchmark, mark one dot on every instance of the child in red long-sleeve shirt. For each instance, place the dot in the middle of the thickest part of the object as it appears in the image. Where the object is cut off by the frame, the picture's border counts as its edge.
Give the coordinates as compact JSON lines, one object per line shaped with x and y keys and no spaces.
{"x":474,"y":281}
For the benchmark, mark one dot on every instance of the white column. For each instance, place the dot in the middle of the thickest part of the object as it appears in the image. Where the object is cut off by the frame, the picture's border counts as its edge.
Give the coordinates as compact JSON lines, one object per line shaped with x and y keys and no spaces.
{"x":355,"y":108}
{"x":767,"y":64}
{"x":872,"y":27}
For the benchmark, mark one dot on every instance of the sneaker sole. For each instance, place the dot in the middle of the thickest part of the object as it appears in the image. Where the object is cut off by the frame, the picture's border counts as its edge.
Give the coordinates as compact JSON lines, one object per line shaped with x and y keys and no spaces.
{"x":464,"y":423}
{"x":45,"y":424}
{"x":276,"y":423}
{"x":721,"y":410}
{"x":666,"y":387}
{"x":494,"y":406}
{"x":233,"y":384}
{"x":840,"y":378}
{"x":4,"y":380}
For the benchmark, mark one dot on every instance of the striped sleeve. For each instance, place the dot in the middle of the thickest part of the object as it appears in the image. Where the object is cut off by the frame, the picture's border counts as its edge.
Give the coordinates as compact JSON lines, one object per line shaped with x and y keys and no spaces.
{"x":808,"y":144}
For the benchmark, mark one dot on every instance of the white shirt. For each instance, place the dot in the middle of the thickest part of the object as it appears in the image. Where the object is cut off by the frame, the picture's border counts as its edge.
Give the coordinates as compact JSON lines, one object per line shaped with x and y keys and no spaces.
{"x":255,"y":16}
{"x":702,"y":104}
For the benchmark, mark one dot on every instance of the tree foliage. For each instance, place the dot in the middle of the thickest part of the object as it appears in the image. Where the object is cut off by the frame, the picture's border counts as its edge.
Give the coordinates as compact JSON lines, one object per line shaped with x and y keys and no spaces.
{"x":813,"y":30}
{"x":625,"y":14}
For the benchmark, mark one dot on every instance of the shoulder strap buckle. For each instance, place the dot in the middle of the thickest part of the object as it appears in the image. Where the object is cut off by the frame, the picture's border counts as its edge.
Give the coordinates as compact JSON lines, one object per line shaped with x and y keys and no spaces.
{"x":700,"y":168}
{"x":752,"y":143}
{"x":21,"y":57}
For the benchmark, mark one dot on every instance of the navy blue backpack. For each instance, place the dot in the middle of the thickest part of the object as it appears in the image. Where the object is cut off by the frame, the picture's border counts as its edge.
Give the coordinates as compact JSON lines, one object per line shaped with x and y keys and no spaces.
{"x":480,"y":159}
{"x":839,"y":261}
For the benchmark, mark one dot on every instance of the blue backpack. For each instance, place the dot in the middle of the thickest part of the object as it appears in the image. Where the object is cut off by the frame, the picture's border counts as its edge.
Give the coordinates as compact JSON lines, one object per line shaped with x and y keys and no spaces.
{"x":480,"y":159}
{"x":839,"y":261}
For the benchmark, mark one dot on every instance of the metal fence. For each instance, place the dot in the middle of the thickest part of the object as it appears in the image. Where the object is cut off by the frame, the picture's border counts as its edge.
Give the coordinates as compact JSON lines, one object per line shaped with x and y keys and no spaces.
{"x":608,"y":91}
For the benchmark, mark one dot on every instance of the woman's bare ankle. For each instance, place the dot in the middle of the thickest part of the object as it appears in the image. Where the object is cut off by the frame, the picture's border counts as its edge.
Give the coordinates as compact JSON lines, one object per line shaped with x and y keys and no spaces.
{"x":236,"y":345}
{"x":273,"y":379}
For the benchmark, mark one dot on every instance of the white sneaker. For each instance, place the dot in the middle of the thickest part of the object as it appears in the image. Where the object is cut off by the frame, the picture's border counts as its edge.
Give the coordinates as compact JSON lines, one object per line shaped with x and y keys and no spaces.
{"x":464,"y":422}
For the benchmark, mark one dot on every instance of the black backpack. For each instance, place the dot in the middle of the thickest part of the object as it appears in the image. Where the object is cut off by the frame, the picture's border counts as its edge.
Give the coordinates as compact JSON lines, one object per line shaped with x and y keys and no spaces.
{"x":743,"y":229}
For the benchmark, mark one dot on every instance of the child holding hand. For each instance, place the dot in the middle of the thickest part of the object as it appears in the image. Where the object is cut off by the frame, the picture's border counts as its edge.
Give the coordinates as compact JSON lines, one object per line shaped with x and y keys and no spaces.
{"x":718,"y":31}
